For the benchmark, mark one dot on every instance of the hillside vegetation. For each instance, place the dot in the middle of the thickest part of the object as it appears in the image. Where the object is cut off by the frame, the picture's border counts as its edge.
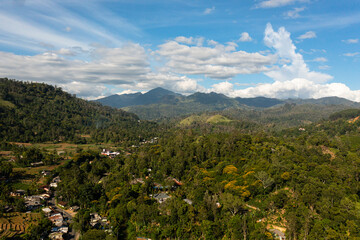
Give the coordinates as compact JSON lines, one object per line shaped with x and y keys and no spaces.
{"x":227,"y":174}
{"x":34,"y":112}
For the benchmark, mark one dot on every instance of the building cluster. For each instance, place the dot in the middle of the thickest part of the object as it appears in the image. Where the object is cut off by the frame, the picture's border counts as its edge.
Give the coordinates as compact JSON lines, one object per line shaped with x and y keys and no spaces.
{"x":60,"y":223}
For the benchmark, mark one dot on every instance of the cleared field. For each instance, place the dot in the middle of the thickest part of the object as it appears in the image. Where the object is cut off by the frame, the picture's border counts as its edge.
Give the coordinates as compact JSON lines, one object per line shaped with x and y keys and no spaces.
{"x":16,"y":223}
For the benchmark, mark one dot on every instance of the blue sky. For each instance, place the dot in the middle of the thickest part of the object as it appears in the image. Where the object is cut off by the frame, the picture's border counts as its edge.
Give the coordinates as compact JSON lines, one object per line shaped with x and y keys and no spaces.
{"x":248,"y":48}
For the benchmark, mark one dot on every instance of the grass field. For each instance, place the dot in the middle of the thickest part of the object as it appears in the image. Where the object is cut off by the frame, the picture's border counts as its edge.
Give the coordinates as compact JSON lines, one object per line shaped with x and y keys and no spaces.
{"x":12,"y":224}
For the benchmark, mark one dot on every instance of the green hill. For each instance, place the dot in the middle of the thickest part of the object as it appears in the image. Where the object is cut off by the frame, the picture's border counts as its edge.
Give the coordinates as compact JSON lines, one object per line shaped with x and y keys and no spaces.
{"x":35,"y":112}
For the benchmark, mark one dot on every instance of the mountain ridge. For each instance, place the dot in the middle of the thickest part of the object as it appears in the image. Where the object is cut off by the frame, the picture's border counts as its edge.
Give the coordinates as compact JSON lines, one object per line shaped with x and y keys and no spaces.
{"x":163,"y":96}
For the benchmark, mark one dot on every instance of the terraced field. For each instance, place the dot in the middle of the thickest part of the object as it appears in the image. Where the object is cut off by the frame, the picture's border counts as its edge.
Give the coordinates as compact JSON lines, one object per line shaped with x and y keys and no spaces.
{"x":12,"y":224}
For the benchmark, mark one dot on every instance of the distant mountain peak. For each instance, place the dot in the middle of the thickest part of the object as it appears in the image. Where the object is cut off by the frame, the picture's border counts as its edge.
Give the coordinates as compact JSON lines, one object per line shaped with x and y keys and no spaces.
{"x":160,"y":90}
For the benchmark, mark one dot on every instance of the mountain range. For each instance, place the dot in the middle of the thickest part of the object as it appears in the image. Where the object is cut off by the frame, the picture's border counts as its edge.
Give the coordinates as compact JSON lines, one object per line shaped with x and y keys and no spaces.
{"x":159,"y":102}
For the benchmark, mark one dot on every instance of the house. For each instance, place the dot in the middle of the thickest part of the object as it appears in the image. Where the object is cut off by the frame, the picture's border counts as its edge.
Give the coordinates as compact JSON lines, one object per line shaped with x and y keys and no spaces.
{"x":18,"y":193}
{"x":46,"y":188}
{"x":142,"y":238}
{"x":161,"y":197}
{"x":8,"y":209}
{"x":61,"y":152}
{"x":278,"y":234}
{"x":57,"y":219}
{"x":56,"y":235}
{"x":95,"y":219}
{"x":47,"y":211}
{"x":75,"y":208}
{"x":64,"y":229}
{"x":56,"y":179}
{"x":36,"y":164}
{"x":45,"y":173}
{"x":175,"y":181}
{"x":188,"y":201}
{"x":33,"y":202}
{"x":109,"y":153}
{"x":137,"y":180}
{"x":53,"y":184}
{"x":62,"y":204}
{"x":44,"y":196}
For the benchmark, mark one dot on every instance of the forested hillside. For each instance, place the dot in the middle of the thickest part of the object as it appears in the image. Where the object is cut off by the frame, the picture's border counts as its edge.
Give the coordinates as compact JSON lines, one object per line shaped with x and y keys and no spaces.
{"x":227,"y":185}
{"x":35,"y":112}
{"x":234,"y":174}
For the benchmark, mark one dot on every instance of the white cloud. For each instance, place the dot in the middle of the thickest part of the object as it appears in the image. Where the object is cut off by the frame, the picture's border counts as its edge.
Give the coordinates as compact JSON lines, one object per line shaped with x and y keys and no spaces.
{"x":277,"y":3}
{"x":223,"y":87}
{"x":307,"y":35}
{"x":350,"y":41}
{"x":31,"y":35}
{"x":42,"y":23}
{"x":295,"y":88}
{"x":285,"y":49}
{"x":245,"y":37}
{"x":192,"y":41}
{"x":85,"y":90}
{"x":116,"y":66}
{"x":216,"y":61}
{"x":290,"y":81}
{"x":294,"y":13}
{"x":182,"y":39}
{"x":128,"y":91}
{"x":312,"y":51}
{"x":209,"y":10}
{"x":353,"y":54}
{"x":320,"y":59}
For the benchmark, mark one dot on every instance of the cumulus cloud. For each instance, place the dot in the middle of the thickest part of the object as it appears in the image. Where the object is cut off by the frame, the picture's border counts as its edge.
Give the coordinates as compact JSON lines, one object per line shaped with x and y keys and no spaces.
{"x":298,"y":88}
{"x":223,"y":87}
{"x":307,"y":35}
{"x":245,"y":37}
{"x":285,"y":49}
{"x":294,"y":13}
{"x":277,"y":3}
{"x":216,"y":61}
{"x":209,"y":10}
{"x":85,"y":90}
{"x":295,"y":88}
{"x":351,"y":41}
{"x":290,"y":81}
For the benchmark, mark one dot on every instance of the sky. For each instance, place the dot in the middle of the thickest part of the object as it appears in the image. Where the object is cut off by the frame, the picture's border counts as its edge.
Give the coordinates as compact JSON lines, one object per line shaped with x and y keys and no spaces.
{"x":240,"y":48}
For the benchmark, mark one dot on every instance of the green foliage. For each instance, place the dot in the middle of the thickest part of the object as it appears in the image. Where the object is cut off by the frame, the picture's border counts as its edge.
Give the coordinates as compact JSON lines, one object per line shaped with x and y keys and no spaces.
{"x":26,"y":108}
{"x":94,"y":234}
{"x":42,"y":229}
{"x":229,"y":180}
{"x":346,"y":114}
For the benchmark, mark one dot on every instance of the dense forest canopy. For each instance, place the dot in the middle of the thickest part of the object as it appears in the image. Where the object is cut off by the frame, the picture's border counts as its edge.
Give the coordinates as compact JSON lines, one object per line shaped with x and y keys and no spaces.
{"x":35,"y":112}
{"x":207,"y":176}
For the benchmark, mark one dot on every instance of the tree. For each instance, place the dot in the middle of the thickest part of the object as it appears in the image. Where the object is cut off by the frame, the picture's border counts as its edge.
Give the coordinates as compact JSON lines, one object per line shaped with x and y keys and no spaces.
{"x":232,"y":203}
{"x":94,"y":234}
